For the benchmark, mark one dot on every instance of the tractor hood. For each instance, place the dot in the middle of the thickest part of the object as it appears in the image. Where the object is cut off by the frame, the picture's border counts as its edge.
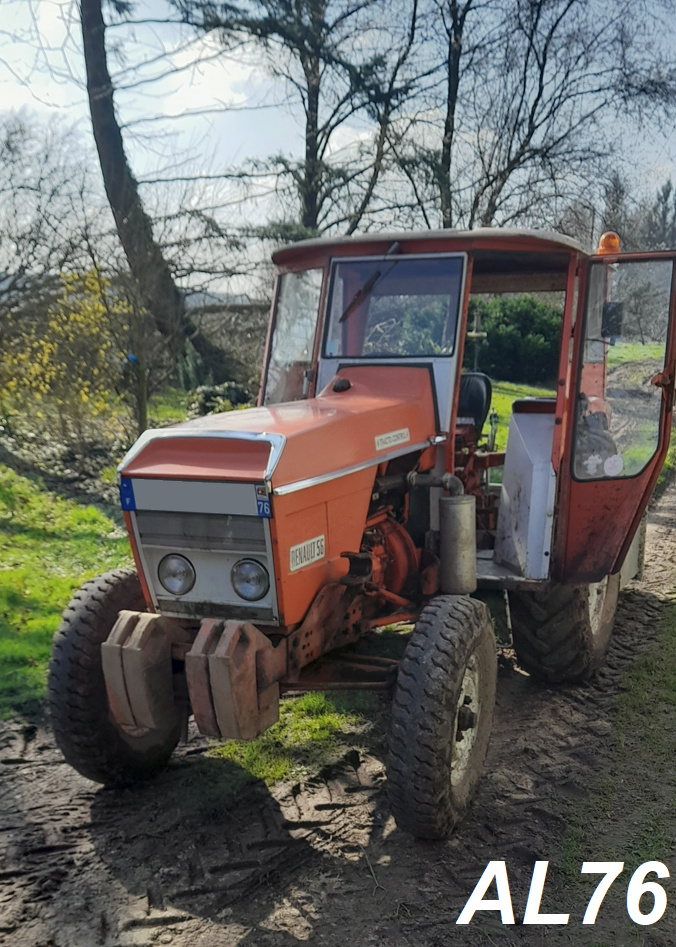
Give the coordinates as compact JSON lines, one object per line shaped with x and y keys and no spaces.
{"x":366,"y":415}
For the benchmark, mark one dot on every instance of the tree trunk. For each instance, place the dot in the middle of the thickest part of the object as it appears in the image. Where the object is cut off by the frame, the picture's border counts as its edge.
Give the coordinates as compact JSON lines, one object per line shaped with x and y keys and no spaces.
{"x":142,"y":397}
{"x":313,"y":171}
{"x":146,"y":261}
{"x":453,"y":84}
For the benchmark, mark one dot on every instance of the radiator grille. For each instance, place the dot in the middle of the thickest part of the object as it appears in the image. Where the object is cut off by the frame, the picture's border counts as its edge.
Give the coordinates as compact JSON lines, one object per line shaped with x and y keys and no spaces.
{"x":206,"y":531}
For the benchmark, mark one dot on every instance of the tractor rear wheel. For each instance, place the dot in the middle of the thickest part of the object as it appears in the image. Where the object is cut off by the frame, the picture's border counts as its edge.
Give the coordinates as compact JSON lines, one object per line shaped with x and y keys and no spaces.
{"x":442,"y":715}
{"x":562,"y":635}
{"x":84,"y":728}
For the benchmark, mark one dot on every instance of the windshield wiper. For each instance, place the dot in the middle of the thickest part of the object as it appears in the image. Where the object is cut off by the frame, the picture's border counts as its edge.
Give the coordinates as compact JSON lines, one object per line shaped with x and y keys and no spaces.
{"x":363,"y":292}
{"x":360,"y":295}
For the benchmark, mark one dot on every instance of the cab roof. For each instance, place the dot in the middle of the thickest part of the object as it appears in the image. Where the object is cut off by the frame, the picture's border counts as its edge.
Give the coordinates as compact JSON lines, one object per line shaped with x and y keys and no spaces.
{"x":483,"y":238}
{"x":504,"y":260}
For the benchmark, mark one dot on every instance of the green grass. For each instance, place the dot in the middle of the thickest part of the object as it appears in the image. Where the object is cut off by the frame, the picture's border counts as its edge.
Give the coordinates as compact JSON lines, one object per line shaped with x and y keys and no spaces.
{"x":167,"y":407}
{"x":667,"y":472}
{"x":504,"y":393}
{"x":623,"y":352}
{"x":651,"y":684}
{"x":312,"y":731}
{"x":48,"y":547}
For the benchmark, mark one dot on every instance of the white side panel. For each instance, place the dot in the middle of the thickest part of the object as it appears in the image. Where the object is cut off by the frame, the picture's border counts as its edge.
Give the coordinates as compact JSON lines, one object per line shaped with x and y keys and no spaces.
{"x":191,"y":496}
{"x":632,"y":566}
{"x":526,"y":513}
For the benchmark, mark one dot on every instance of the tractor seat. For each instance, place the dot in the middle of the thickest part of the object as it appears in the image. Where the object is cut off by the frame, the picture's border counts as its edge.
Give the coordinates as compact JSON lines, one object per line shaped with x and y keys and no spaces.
{"x":474,"y":400}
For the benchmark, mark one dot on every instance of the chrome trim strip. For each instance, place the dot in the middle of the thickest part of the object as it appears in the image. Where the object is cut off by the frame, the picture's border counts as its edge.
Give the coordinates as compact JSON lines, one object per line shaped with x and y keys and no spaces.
{"x":276,"y":441}
{"x":356,"y":468}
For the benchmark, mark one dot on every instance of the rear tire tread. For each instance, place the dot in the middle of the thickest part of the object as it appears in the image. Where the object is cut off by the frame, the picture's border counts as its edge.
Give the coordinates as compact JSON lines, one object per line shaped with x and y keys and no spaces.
{"x":552,"y":634}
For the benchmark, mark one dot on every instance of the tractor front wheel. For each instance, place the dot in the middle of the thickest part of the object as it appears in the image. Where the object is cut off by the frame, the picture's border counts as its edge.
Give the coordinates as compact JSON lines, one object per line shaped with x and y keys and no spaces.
{"x":442,"y":715}
{"x":83,"y":725}
{"x":561,"y":636}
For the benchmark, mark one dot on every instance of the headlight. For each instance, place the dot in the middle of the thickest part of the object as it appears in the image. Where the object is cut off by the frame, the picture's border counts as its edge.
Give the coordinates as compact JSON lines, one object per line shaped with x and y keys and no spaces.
{"x":176,"y":573}
{"x":250,"y":579}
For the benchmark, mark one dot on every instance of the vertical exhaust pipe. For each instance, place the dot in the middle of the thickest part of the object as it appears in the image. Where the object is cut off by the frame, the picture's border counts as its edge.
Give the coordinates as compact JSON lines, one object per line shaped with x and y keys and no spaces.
{"x":457,"y":524}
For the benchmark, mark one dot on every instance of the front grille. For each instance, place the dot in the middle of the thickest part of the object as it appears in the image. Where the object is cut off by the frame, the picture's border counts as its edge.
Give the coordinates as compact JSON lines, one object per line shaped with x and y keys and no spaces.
{"x":208,"y":531}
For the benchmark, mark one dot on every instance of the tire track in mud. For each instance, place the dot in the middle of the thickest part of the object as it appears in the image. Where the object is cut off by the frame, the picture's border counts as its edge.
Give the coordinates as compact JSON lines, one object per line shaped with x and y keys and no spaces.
{"x":190,"y":861}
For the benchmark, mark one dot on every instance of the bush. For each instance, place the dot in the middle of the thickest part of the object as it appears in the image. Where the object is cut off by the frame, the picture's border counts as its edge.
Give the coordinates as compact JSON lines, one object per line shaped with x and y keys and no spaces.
{"x":68,"y":356}
{"x":523,"y":339}
{"x":210,"y":399}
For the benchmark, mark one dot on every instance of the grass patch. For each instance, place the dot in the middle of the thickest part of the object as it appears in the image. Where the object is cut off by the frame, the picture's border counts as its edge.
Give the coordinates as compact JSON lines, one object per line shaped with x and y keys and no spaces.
{"x":48,"y":547}
{"x":650,"y":697}
{"x":167,"y":407}
{"x":595,"y":809}
{"x":504,"y":393}
{"x":308,"y":735}
{"x":623,"y":352}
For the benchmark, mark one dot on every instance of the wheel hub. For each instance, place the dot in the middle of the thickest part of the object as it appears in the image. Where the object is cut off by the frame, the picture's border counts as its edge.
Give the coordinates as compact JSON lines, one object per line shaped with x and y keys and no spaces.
{"x":466,"y":718}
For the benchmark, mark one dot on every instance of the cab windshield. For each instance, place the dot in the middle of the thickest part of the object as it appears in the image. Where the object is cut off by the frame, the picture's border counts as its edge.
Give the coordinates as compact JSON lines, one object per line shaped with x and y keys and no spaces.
{"x":394,"y":307}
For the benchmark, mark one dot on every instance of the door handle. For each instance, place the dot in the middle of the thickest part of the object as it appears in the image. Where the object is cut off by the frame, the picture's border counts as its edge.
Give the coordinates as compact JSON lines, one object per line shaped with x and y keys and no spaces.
{"x":661,"y":380}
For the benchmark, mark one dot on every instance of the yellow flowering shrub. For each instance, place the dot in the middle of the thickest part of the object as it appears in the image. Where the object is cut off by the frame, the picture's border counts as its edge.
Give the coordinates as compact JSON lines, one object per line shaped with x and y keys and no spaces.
{"x":67,"y":360}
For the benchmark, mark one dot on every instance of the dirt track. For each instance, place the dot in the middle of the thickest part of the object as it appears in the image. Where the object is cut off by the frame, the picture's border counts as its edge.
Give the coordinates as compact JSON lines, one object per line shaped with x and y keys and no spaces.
{"x":176,"y":862}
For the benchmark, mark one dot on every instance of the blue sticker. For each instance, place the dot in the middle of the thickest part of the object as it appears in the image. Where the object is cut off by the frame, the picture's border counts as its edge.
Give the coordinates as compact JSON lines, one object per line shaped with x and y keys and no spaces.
{"x":127,"y":498}
{"x":264,"y":509}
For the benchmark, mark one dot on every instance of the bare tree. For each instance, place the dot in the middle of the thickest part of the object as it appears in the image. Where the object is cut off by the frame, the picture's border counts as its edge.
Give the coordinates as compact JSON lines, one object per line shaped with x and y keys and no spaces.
{"x":660,"y":230}
{"x":531,"y":95}
{"x":41,"y":211}
{"x":339,"y":66}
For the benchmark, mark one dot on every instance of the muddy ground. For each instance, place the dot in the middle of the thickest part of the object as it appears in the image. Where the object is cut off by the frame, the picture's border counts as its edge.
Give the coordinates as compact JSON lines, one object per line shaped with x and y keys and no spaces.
{"x":179,"y":862}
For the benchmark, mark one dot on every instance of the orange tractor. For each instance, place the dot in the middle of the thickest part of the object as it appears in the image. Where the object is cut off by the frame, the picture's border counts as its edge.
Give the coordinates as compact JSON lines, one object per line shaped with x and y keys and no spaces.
{"x":360,"y":493}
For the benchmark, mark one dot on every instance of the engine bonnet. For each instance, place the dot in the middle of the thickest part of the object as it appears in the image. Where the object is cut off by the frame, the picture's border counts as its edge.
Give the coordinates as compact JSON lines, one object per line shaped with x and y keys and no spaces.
{"x":387,"y":410}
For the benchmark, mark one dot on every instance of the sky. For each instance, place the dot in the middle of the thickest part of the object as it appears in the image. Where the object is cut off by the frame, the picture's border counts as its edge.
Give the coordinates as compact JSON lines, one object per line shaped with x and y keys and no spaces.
{"x":42,"y":71}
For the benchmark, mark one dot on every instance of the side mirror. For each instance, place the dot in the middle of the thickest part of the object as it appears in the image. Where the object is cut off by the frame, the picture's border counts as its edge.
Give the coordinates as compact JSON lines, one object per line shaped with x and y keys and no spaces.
{"x":611,"y":320}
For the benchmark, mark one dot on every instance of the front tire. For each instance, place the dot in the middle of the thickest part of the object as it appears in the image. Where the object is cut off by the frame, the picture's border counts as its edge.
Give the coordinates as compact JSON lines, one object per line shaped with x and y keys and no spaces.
{"x":84,"y":728}
{"x":561,"y":636}
{"x":442,"y":714}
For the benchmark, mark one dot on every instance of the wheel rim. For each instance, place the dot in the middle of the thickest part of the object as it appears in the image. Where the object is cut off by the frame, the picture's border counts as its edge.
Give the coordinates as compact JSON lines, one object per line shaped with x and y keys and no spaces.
{"x":596,"y":600}
{"x":465,"y":724}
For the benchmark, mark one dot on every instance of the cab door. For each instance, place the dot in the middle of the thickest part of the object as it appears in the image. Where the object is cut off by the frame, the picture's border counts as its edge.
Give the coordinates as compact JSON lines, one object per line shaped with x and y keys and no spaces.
{"x":619,"y":412}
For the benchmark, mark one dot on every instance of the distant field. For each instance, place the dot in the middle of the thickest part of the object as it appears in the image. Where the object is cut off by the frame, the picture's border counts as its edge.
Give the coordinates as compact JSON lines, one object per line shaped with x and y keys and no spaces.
{"x":633,"y":352}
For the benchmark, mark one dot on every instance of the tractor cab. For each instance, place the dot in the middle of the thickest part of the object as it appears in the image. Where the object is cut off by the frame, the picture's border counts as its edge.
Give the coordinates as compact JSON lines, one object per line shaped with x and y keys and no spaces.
{"x":385,"y":302}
